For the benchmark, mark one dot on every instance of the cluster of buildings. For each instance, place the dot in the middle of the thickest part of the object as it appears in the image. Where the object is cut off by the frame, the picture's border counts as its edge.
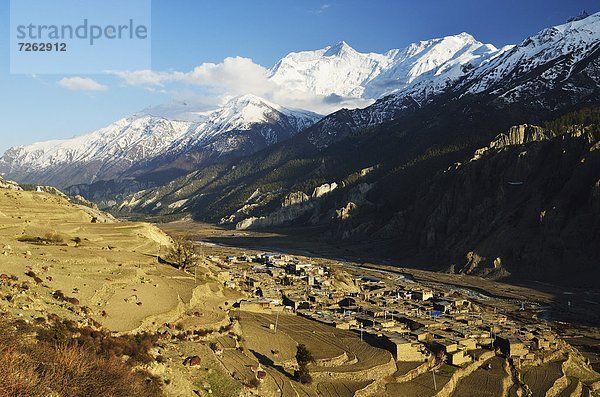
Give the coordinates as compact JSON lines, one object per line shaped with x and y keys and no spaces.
{"x":410,"y":320}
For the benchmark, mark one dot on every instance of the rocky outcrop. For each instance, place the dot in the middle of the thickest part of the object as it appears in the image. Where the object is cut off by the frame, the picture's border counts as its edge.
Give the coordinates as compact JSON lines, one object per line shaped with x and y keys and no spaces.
{"x":4,"y":184}
{"x":279,"y":217}
{"x":324,"y":189}
{"x":293,"y":206}
{"x":192,"y":361}
{"x":314,"y":209}
{"x":516,"y":135}
{"x":51,"y":190}
{"x":345,"y":212}
{"x":520,"y":135}
{"x":295,"y":198}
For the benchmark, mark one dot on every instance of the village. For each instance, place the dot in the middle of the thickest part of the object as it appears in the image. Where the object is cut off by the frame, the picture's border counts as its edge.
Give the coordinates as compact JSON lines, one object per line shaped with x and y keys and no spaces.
{"x":392,"y":312}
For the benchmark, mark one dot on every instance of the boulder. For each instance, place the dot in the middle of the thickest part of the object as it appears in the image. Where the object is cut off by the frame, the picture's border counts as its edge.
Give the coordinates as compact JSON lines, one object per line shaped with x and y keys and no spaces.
{"x":192,"y":361}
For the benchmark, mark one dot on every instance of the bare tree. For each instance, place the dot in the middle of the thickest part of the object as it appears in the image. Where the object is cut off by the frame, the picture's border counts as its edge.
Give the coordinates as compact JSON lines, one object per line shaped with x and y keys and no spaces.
{"x":183,"y":254}
{"x":441,"y":357}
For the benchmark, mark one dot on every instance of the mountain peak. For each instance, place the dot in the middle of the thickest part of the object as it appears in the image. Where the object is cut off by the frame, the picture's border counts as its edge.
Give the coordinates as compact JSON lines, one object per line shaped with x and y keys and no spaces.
{"x":582,"y":15}
{"x":465,"y":37}
{"x":338,"y":49}
{"x":249,"y":100}
{"x":573,"y":40}
{"x":341,"y":70}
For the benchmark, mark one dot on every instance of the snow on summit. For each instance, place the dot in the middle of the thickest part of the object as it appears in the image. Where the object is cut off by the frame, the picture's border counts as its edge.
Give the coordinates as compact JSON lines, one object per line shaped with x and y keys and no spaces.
{"x":573,"y":39}
{"x":142,"y":137}
{"x":341,"y":70}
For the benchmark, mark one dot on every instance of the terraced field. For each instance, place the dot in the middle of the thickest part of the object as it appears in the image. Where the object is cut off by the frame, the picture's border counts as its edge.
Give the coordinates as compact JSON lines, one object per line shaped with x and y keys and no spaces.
{"x":323,"y":341}
{"x":483,"y":382}
{"x":277,"y":347}
{"x":421,"y":386}
{"x":340,"y":389}
{"x":405,"y":367}
{"x":541,"y":378}
{"x":288,"y":388}
{"x":238,"y":364}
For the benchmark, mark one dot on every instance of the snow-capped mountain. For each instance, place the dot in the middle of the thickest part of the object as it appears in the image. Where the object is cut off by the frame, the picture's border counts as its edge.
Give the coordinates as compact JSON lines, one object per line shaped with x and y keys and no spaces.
{"x":426,"y":68}
{"x":552,"y":56}
{"x":337,"y":69}
{"x":243,"y":125}
{"x":245,"y":113}
{"x":554,"y":69}
{"x":129,"y":139}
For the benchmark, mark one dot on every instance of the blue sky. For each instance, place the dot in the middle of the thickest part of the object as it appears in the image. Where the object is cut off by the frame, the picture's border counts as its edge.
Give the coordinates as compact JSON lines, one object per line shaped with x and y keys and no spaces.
{"x":189,"y":33}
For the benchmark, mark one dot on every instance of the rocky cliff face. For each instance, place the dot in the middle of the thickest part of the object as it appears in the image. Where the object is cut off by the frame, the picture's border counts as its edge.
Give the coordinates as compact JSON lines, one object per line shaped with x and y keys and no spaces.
{"x":528,"y":205}
{"x":520,"y":135}
{"x":295,"y":205}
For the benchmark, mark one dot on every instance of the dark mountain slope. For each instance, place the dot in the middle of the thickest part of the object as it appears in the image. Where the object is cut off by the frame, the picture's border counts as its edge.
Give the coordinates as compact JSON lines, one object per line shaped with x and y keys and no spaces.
{"x":531,"y":210}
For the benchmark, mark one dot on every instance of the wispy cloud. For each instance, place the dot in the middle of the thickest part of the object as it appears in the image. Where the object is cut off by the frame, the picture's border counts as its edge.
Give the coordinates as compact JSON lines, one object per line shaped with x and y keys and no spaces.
{"x":81,"y":84}
{"x":323,"y":8}
{"x":219,"y":82}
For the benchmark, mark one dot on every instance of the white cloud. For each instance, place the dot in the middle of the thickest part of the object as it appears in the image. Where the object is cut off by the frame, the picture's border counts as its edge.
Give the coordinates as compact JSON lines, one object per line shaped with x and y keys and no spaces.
{"x":81,"y":84}
{"x":323,"y":8}
{"x":233,"y":77}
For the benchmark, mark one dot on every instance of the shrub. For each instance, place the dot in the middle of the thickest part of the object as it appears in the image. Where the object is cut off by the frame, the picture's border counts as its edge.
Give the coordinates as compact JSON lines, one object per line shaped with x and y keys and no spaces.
{"x":183,"y":254}
{"x":101,"y":342}
{"x":303,"y":357}
{"x":28,"y":239}
{"x":52,"y":236}
{"x":64,"y":369}
{"x":253,"y":383}
{"x":59,"y":295}
{"x":34,"y":276}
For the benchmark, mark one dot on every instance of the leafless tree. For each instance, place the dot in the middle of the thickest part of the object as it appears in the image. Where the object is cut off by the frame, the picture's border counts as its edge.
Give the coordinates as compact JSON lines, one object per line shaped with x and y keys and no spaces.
{"x":441,"y":357}
{"x":183,"y":254}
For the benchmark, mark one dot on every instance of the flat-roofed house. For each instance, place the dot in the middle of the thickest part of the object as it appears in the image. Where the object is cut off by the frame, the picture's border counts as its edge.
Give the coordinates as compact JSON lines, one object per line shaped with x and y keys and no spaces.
{"x":511,"y":346}
{"x":445,"y":345}
{"x":422,"y":294}
{"x":459,"y":358}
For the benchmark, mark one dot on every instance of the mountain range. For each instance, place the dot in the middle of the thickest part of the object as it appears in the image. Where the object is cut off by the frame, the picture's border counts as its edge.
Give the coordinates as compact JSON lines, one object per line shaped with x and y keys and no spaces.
{"x":464,"y":146}
{"x":183,"y":140}
{"x":420,"y":69}
{"x":143,"y":143}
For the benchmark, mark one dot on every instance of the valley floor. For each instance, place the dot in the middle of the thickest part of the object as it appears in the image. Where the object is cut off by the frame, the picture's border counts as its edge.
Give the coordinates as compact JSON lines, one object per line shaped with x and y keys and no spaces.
{"x":584,"y":307}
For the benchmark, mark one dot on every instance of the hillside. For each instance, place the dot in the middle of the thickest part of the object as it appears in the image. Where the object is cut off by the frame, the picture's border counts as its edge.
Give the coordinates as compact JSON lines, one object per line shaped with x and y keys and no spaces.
{"x":85,"y":291}
{"x":526,"y":206}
